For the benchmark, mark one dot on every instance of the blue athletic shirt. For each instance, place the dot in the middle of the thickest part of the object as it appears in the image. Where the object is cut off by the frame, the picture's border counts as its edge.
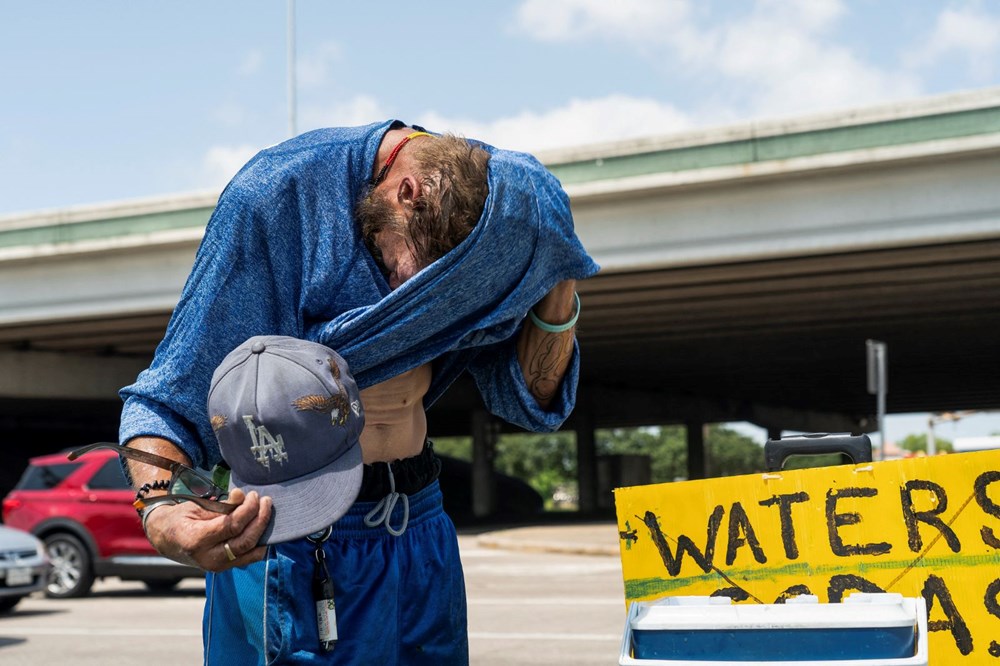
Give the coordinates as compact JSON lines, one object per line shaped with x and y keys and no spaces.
{"x":282,"y":255}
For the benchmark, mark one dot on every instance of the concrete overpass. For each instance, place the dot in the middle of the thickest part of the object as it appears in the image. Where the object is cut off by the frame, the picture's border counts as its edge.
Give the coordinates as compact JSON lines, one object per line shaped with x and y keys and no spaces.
{"x":743,"y":269}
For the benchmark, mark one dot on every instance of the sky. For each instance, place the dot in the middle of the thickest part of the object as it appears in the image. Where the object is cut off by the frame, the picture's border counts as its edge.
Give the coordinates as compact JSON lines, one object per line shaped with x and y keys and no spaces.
{"x":109,"y":100}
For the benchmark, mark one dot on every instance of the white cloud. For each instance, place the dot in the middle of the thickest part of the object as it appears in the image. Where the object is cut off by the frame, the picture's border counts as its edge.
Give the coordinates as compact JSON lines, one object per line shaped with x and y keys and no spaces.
{"x":814,"y":15}
{"x":781,"y":57}
{"x":965,"y":30}
{"x":251,"y":63}
{"x":578,"y":123}
{"x":798,"y":67}
{"x":834,"y":79}
{"x":566,"y":20}
{"x":313,"y":69}
{"x":220,"y":163}
{"x":967,"y":33}
{"x":359,"y":110}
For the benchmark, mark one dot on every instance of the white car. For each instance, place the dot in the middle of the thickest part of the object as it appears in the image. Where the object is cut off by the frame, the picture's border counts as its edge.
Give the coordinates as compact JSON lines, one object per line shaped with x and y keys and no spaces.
{"x":24,"y":566}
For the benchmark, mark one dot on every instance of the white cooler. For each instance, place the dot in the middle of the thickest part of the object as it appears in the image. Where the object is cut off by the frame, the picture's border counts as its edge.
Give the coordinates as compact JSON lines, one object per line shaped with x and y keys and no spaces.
{"x":864,"y":630}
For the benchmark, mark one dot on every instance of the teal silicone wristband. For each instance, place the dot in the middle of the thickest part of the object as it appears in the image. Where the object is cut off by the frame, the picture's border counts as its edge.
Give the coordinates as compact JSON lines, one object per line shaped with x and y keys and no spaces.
{"x":561,"y":328}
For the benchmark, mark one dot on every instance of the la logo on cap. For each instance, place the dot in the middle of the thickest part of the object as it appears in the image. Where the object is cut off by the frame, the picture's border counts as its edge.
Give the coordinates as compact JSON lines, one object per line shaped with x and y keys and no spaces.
{"x":273,"y":447}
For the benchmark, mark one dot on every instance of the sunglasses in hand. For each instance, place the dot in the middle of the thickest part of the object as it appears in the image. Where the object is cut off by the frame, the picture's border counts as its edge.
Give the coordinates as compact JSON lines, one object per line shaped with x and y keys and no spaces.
{"x":186,"y":483}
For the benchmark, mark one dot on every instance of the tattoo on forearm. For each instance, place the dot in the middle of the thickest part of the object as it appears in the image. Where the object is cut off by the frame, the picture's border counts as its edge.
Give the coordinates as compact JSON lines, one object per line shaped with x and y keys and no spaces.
{"x":547,"y":365}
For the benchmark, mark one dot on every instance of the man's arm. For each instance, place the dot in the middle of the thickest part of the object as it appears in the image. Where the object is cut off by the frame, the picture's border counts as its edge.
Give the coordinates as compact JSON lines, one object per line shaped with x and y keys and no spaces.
{"x":543,"y":356}
{"x":187,"y":533}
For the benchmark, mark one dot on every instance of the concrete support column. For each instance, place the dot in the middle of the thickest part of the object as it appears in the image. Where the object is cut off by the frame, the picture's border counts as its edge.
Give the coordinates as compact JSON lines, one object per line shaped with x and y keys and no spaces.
{"x":696,"y":449}
{"x":586,"y":463}
{"x":485,"y":431}
{"x":55,"y":376}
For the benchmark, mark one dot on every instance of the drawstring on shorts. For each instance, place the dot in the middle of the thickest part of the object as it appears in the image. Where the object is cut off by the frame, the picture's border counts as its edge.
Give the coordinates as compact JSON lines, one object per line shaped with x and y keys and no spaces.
{"x":386,"y":506}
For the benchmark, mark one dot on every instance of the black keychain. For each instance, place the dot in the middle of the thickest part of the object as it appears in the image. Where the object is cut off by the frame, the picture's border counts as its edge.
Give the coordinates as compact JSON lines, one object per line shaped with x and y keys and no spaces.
{"x":322,"y":587}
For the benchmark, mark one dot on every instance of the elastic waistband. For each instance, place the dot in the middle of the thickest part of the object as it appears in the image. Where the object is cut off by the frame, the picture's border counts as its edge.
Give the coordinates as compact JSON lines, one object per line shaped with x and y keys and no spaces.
{"x":424,"y":506}
{"x":410,"y":475}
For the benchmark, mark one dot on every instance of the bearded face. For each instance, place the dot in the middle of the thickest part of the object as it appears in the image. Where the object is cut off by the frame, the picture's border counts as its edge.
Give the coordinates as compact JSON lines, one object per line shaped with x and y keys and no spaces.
{"x":386,"y":234}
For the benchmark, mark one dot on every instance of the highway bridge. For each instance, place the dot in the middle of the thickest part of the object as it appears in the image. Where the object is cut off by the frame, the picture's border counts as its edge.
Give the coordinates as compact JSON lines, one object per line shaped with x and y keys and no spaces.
{"x":743,"y":269}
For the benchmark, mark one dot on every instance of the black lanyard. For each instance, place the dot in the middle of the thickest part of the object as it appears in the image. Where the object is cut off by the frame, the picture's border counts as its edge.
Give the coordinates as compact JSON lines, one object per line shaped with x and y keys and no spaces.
{"x":322,"y":587}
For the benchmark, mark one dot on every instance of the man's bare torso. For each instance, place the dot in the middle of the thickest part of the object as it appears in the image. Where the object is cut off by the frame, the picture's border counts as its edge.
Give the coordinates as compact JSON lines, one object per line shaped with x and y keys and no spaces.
{"x":395,"y":421}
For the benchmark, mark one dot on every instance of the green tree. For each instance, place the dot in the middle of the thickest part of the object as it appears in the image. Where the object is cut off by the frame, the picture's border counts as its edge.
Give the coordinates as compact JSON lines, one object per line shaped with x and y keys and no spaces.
{"x":918,"y":443}
{"x":730,"y":453}
{"x":545,"y":461}
{"x":727,"y":451}
{"x":454,"y":447}
{"x":666,"y":446}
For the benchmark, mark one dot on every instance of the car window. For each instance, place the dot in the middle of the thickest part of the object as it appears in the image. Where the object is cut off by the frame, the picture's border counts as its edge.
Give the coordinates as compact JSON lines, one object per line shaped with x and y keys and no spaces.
{"x":44,"y":477}
{"x":109,"y":477}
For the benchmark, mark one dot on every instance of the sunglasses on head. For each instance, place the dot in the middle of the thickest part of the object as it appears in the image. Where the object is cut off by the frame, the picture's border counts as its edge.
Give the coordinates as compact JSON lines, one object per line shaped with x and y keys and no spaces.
{"x":186,"y":483}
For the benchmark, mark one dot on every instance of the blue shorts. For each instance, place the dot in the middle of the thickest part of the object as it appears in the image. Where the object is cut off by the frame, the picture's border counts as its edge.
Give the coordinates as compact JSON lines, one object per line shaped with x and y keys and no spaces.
{"x":399,"y":599}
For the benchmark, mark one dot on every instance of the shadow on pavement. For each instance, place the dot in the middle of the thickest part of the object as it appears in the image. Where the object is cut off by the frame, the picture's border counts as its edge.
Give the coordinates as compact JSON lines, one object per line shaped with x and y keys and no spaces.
{"x":137,"y":592}
{"x":20,"y":613}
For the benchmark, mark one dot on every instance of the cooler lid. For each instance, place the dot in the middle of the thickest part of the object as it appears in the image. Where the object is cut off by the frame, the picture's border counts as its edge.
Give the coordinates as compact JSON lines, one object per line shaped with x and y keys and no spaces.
{"x":859,"y":611}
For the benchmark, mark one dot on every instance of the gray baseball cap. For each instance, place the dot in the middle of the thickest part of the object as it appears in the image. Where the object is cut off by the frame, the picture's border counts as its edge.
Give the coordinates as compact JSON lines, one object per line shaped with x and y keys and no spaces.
{"x":288,"y":419}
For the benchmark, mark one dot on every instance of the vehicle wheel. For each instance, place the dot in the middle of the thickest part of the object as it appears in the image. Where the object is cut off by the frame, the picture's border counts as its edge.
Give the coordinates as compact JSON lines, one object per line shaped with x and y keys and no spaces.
{"x":161,"y":584}
{"x":71,"y":574}
{"x":7,"y":603}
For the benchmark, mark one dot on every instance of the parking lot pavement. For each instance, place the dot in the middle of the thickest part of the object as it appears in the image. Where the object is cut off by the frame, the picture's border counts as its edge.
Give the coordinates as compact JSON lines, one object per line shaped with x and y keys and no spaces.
{"x":596,"y":538}
{"x":118,"y":623}
{"x":542,"y":596}
{"x":527,"y":605}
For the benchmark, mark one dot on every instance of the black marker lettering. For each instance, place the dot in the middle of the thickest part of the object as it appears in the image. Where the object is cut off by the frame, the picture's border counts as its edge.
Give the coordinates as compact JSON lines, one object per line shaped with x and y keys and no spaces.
{"x":993,"y":607}
{"x":734,"y":593}
{"x":673,"y":564}
{"x":935,"y":587}
{"x":739,"y":523}
{"x":843,"y":582}
{"x":930,"y":517}
{"x":835,"y":520}
{"x":793,"y":591}
{"x":989,"y":506}
{"x":784,"y":504}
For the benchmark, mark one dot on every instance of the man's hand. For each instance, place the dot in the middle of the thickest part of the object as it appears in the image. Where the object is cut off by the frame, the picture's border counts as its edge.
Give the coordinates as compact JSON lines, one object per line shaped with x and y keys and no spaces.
{"x":189,"y":534}
{"x":544,"y":357}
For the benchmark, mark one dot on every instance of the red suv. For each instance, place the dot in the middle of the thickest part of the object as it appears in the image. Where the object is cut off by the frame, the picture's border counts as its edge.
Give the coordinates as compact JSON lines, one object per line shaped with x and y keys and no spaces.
{"x":83,"y":512}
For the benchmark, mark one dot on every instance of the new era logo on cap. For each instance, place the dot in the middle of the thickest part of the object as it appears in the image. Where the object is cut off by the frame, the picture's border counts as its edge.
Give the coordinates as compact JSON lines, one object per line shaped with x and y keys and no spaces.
{"x":288,"y":419}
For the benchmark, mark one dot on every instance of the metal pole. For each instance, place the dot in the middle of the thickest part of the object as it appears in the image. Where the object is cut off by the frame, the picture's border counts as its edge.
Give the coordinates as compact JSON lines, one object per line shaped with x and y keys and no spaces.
{"x":878,"y":384}
{"x":291,"y":68}
{"x":881,"y":400}
{"x":931,"y":443}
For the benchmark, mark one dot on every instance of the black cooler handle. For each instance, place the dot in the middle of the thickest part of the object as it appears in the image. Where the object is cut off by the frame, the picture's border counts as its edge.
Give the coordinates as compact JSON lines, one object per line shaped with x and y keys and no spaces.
{"x":776,"y":451}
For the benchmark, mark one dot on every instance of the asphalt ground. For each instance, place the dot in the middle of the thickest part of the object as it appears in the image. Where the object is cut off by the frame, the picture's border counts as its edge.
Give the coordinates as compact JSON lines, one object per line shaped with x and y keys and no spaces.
{"x":543,"y":594}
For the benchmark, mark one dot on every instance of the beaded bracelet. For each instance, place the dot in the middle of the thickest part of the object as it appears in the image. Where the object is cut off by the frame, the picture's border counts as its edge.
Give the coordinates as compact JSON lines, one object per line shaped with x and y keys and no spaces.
{"x":556,"y":328}
{"x":159,"y":484}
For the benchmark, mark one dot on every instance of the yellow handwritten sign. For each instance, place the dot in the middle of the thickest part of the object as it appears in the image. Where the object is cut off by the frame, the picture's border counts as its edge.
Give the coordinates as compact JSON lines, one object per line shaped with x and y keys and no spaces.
{"x":923,"y":527}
